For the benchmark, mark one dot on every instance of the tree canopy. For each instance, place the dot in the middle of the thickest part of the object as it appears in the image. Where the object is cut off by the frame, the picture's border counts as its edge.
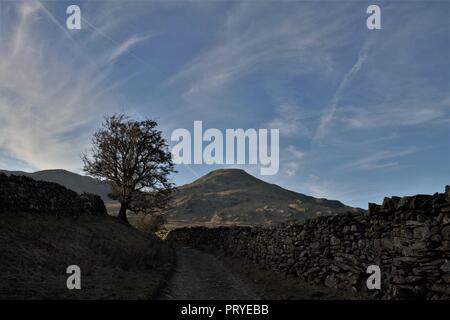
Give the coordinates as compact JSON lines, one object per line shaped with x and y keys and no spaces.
{"x":134,"y":157}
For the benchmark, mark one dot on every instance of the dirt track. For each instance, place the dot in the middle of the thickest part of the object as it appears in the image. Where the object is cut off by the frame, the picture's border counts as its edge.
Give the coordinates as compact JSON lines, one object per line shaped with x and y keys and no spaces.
{"x":199,"y":275}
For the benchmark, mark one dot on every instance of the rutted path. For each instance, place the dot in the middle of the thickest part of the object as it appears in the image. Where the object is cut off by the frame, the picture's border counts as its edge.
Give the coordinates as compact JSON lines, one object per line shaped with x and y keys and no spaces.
{"x":199,"y":275}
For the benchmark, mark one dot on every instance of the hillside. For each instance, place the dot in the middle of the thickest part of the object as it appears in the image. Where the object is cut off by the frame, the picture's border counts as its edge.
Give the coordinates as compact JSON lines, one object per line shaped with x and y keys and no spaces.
{"x":70,"y":180}
{"x":232,"y":196}
{"x":44,"y":228}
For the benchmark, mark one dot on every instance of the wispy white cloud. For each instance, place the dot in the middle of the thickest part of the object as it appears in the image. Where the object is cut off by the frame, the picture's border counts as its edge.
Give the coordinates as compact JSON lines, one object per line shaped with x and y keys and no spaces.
{"x":291,"y":160}
{"x":49,"y":94}
{"x":126,"y":46}
{"x":291,"y":120}
{"x":318,"y":188}
{"x":254,"y":38}
{"x":321,"y":187}
{"x":382,"y":159}
{"x":403,"y":113}
{"x":329,"y":112}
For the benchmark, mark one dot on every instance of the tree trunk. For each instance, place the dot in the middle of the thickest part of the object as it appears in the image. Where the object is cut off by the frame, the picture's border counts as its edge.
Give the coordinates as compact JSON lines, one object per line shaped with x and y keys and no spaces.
{"x":123,"y":213}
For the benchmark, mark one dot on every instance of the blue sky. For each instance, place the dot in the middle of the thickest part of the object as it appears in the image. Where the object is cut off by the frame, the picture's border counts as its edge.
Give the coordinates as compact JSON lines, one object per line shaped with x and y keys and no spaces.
{"x":362,"y":113}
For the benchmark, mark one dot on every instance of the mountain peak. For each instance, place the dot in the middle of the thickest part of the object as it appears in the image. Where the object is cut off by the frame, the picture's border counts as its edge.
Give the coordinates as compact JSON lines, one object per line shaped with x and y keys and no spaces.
{"x":229,"y":171}
{"x":225,"y":178}
{"x":237,"y":197}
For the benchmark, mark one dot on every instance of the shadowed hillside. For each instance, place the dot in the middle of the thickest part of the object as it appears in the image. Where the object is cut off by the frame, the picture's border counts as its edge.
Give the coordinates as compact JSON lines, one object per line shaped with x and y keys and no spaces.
{"x":232,"y":196}
{"x":44,"y":228}
{"x":70,"y":180}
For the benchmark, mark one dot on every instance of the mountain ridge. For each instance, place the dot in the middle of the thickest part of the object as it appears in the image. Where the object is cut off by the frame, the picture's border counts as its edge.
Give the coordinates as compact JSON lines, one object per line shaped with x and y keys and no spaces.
{"x":234,"y":197}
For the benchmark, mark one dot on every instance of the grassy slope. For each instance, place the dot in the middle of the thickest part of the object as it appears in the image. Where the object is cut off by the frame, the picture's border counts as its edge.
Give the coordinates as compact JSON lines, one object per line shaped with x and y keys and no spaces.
{"x":117,"y":262}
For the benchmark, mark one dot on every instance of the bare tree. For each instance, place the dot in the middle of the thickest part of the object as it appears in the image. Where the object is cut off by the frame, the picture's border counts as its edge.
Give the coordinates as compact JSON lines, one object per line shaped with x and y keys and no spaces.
{"x":134,"y":157}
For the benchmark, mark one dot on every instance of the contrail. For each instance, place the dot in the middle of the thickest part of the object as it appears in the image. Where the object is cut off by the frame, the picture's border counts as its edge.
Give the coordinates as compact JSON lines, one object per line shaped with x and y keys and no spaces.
{"x":55,"y":21}
{"x":328,"y":113}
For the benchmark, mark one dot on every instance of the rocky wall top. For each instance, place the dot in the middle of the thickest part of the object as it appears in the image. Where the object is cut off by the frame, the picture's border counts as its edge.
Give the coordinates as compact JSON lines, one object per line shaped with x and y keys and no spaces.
{"x":23,"y":194}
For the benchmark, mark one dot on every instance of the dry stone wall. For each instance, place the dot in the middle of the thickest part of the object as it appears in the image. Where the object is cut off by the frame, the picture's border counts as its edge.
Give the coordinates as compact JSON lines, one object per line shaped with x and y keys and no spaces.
{"x":23,"y":194}
{"x":408,"y":238}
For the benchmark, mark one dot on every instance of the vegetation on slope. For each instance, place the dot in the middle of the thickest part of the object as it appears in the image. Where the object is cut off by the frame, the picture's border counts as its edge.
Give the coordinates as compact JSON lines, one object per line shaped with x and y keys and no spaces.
{"x":116,"y":261}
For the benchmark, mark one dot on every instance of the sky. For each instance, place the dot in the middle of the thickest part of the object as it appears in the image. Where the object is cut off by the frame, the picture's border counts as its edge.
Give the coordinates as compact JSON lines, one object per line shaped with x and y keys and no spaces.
{"x":362,"y":113}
